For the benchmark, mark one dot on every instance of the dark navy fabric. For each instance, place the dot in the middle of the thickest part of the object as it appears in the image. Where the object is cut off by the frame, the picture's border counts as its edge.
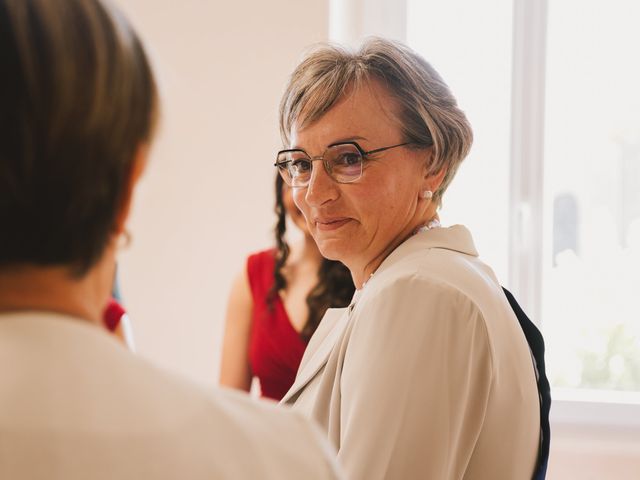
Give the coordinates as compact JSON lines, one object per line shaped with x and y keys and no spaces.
{"x":536,"y":344}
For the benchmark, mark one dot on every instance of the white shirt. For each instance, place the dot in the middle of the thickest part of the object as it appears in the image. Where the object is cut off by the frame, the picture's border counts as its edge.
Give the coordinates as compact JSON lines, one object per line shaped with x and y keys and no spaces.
{"x":75,"y":404}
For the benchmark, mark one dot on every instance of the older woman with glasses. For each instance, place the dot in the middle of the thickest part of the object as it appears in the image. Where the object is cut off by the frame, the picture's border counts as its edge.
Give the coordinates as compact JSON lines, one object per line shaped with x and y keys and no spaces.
{"x":427,"y":373}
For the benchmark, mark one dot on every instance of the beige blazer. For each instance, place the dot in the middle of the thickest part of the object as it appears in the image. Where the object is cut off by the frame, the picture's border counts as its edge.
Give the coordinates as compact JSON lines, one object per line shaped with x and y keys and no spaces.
{"x":427,"y":373}
{"x":74,"y":404}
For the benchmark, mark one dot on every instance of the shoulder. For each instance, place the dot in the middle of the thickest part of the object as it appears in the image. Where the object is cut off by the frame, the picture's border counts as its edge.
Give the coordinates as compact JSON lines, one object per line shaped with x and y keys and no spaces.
{"x":275,"y":438}
{"x":191,"y":421}
{"x":417,"y":333}
{"x":416,"y":289}
{"x":438,"y":276}
{"x":438,"y":293}
{"x":418,"y":306}
{"x":114,"y":400}
{"x":259,"y":269}
{"x":237,"y":427}
{"x":262,"y":257}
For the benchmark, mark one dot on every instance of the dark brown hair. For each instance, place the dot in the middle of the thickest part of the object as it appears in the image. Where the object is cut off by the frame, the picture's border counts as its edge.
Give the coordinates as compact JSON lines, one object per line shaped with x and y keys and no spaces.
{"x":77,"y":99}
{"x":335,"y":285}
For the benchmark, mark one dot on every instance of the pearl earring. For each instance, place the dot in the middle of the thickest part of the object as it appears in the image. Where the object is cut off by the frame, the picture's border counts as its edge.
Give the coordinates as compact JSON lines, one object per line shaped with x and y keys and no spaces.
{"x":124,"y":239}
{"x":427,"y":195}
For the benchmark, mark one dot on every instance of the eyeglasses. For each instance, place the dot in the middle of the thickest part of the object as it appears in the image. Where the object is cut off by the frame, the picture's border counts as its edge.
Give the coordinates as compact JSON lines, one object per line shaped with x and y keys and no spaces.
{"x":342,"y":162}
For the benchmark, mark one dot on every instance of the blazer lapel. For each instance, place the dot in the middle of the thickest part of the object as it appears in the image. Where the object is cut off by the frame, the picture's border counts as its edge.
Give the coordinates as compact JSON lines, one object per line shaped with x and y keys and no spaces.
{"x":320,"y":346}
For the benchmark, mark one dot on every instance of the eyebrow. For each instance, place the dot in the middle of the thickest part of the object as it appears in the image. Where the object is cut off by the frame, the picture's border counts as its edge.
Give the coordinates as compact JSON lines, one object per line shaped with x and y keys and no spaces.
{"x":346,"y":140}
{"x":354,"y":138}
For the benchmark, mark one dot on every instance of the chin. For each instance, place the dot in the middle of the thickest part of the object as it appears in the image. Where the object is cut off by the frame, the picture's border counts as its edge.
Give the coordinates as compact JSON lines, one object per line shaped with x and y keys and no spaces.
{"x":332,"y":249}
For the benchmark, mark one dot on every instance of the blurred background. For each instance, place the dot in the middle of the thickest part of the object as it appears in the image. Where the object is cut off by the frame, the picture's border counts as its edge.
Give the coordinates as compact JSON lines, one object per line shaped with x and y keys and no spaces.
{"x":551,"y":189}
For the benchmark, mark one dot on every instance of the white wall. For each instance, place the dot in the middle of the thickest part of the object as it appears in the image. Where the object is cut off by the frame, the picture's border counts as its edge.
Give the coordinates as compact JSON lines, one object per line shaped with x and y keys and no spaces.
{"x":206,"y":199}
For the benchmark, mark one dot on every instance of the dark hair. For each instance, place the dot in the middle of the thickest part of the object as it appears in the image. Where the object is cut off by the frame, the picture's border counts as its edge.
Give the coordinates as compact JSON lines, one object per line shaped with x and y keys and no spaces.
{"x":335,"y":285}
{"x":77,"y":99}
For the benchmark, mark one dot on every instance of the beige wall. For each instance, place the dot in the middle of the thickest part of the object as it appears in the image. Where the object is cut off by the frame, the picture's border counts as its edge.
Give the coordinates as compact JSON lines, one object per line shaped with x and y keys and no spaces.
{"x":206,"y":199}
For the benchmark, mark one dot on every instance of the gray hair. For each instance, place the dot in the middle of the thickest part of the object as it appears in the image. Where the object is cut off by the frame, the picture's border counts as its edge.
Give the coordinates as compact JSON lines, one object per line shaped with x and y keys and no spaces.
{"x":429,"y":113}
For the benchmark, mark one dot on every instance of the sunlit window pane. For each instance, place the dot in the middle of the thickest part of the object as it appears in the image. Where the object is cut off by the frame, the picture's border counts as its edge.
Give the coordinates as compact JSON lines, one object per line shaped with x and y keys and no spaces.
{"x":469,"y":43}
{"x":591,"y":281}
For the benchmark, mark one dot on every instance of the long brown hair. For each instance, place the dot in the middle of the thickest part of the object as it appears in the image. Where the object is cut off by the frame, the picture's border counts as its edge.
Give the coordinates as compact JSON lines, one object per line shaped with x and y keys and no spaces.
{"x":335,"y":285}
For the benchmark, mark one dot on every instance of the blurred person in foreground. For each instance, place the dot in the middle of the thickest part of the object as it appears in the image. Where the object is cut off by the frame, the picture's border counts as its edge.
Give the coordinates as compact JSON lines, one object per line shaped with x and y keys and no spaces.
{"x":78,"y":111}
{"x":276,"y":304}
{"x":428,"y":373}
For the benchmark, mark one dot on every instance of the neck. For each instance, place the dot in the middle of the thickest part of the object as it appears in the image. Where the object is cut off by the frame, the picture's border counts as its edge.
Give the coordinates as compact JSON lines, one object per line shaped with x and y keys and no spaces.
{"x":363,"y":274}
{"x":55,"y":289}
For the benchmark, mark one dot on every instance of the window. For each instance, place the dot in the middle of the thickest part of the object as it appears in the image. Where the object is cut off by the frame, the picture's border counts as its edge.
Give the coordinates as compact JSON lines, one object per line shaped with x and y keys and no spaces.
{"x":591,"y":274}
{"x":551,"y":189}
{"x":474,"y":58}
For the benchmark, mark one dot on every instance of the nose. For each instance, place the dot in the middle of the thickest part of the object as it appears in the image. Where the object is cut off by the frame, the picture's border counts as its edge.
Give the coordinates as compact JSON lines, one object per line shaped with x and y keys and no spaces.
{"x":322,"y":188}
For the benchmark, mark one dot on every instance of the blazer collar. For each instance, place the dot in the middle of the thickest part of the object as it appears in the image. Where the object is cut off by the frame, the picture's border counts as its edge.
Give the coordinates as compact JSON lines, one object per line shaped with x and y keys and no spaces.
{"x":317,"y":352}
{"x":456,"y":238}
{"x":334,"y":322}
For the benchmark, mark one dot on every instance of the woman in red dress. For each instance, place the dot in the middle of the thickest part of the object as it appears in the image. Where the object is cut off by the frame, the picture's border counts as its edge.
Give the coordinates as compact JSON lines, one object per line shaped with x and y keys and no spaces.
{"x":275,"y":305}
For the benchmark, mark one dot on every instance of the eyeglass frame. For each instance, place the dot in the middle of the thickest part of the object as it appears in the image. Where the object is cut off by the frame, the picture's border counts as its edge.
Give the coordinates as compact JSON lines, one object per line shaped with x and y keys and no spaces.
{"x":364,"y":154}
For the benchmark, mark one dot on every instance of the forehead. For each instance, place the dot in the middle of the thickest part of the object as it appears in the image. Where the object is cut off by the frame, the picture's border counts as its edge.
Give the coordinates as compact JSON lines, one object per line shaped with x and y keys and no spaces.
{"x":368,"y":112}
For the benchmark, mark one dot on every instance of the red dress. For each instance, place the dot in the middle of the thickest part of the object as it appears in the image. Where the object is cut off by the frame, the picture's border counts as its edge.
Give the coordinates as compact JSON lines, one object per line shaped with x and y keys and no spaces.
{"x":275,"y":348}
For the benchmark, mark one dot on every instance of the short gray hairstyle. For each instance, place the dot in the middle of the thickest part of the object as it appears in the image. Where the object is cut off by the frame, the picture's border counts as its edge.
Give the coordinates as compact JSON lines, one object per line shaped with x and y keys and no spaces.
{"x":429,"y":113}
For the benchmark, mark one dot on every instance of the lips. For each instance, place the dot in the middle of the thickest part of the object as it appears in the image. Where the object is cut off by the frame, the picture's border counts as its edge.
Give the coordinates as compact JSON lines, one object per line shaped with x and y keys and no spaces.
{"x":328,"y":224}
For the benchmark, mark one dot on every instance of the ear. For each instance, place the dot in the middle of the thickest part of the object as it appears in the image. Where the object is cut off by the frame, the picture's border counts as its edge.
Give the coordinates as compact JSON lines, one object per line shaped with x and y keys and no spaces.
{"x":138,"y":167}
{"x":433,"y":180}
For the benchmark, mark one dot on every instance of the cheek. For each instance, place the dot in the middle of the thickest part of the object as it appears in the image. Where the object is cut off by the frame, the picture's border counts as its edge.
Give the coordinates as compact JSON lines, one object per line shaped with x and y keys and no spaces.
{"x":382,"y":207}
{"x":298,"y":197}
{"x":289,"y":206}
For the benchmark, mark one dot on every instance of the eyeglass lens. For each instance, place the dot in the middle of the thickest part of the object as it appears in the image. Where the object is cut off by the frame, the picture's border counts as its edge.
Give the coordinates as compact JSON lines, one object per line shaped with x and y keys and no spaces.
{"x":342,"y":162}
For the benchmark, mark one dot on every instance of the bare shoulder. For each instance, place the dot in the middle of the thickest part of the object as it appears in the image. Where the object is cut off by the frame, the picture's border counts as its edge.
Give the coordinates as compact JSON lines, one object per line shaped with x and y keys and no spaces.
{"x":240,"y":294}
{"x":239,"y":310}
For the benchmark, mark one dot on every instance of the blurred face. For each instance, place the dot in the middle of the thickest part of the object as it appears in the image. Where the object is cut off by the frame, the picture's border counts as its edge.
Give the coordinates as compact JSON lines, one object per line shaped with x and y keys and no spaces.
{"x":293,"y":212}
{"x":360,"y":223}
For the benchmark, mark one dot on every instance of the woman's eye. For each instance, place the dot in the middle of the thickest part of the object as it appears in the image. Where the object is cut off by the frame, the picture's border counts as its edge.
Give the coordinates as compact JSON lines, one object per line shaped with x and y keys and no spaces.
{"x":348,"y":159}
{"x":300,"y":166}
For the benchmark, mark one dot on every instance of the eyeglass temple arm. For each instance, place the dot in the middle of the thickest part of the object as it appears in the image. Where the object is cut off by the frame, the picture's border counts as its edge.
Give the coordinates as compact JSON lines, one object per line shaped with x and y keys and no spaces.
{"x":378,"y":150}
